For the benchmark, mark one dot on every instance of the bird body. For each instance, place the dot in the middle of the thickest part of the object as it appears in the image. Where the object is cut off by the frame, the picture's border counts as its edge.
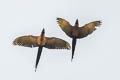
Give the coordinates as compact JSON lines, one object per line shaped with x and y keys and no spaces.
{"x":40,"y":42}
{"x":76,"y":32}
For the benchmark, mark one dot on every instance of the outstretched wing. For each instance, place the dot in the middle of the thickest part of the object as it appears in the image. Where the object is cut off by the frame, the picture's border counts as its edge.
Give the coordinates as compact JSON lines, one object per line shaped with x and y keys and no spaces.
{"x":56,"y":43}
{"x":27,"y":41}
{"x":88,"y":29}
{"x":65,"y":26}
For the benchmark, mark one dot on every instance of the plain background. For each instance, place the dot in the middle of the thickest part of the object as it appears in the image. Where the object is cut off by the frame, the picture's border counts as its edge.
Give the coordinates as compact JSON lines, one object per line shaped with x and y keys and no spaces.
{"x":97,"y":57}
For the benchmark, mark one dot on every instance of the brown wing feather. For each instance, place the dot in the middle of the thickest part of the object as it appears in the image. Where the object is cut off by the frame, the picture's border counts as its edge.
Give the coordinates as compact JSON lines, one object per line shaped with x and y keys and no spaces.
{"x":56,"y":43}
{"x":88,"y":29}
{"x":65,"y":26}
{"x":27,"y":41}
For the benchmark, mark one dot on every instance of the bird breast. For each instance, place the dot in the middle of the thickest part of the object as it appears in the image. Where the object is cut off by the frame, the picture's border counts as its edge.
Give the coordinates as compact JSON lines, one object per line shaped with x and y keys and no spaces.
{"x":41,"y":40}
{"x":75,"y":31}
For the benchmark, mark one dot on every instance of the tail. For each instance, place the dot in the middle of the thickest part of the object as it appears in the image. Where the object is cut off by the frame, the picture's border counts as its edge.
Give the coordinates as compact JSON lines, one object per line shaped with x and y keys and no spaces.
{"x":73,"y":47}
{"x":38,"y":57}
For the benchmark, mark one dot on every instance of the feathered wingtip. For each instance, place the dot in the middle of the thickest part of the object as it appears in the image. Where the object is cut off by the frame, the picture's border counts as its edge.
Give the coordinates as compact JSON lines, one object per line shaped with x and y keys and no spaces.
{"x":68,"y":46}
{"x":15,"y":42}
{"x":97,"y":23}
{"x":58,"y":18}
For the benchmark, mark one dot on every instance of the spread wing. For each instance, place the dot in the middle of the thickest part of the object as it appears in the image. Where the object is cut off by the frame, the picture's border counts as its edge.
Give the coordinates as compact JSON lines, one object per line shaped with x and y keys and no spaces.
{"x":65,"y":26}
{"x":88,"y":29}
{"x":56,"y":43}
{"x":27,"y":41}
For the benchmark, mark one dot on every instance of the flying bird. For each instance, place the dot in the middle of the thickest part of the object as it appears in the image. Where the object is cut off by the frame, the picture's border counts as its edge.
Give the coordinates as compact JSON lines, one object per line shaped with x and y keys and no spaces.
{"x":40,"y":42}
{"x":75,"y":32}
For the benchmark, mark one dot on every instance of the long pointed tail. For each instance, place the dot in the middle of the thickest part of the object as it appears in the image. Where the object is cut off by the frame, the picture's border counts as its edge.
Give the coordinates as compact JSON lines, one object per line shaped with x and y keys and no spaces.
{"x":73,"y":47}
{"x":38,"y":57}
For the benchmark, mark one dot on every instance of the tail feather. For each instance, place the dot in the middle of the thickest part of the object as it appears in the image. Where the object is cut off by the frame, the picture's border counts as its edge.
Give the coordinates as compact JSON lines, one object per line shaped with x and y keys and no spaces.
{"x":73,"y":47}
{"x":38,"y":57}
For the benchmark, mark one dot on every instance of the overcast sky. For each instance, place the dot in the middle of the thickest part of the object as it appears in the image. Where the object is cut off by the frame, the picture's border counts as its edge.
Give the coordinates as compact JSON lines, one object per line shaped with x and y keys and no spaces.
{"x":97,"y":57}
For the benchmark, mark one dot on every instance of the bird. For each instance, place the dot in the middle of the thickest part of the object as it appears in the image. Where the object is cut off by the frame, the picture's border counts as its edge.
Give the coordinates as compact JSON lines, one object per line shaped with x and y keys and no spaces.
{"x":40,"y":42}
{"x":75,"y":32}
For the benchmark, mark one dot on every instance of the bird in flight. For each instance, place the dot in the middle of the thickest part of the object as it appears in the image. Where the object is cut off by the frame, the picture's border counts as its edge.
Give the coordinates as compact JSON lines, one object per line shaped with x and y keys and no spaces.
{"x":40,"y":42}
{"x":75,"y":32}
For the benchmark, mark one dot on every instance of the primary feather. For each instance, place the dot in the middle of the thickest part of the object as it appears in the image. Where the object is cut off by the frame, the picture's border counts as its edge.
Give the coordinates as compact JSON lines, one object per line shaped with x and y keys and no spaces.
{"x":27,"y":41}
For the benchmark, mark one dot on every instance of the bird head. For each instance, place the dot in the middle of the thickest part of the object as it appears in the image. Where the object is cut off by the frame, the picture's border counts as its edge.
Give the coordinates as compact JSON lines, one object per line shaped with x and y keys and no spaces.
{"x":43,"y":32}
{"x":77,"y":23}
{"x":41,"y":39}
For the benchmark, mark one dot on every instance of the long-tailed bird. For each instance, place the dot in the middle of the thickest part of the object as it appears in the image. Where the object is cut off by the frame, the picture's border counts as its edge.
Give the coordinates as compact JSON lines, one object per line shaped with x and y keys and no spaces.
{"x":41,"y":41}
{"x":75,"y":32}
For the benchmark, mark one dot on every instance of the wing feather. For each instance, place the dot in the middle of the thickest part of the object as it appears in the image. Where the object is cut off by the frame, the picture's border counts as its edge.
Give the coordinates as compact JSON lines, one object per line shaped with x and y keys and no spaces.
{"x":65,"y":26}
{"x":27,"y":41}
{"x":88,"y":29}
{"x":56,"y":43}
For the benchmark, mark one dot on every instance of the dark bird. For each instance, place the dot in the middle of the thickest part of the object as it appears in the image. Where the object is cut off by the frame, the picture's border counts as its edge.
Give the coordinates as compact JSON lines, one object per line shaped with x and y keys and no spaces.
{"x":41,"y":41}
{"x":75,"y":32}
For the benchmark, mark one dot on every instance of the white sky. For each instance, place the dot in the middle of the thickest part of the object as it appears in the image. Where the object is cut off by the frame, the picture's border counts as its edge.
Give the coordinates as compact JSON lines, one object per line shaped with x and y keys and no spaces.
{"x":97,"y":57}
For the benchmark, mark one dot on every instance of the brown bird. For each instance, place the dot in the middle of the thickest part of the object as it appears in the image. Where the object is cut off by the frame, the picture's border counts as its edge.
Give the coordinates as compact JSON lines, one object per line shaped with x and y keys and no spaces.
{"x":41,"y":41}
{"x":75,"y":32}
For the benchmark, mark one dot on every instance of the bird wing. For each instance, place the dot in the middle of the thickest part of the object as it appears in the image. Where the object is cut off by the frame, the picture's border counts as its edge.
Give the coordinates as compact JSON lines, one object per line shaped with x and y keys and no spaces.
{"x":27,"y":41}
{"x":56,"y":43}
{"x":88,"y":29}
{"x":65,"y":26}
